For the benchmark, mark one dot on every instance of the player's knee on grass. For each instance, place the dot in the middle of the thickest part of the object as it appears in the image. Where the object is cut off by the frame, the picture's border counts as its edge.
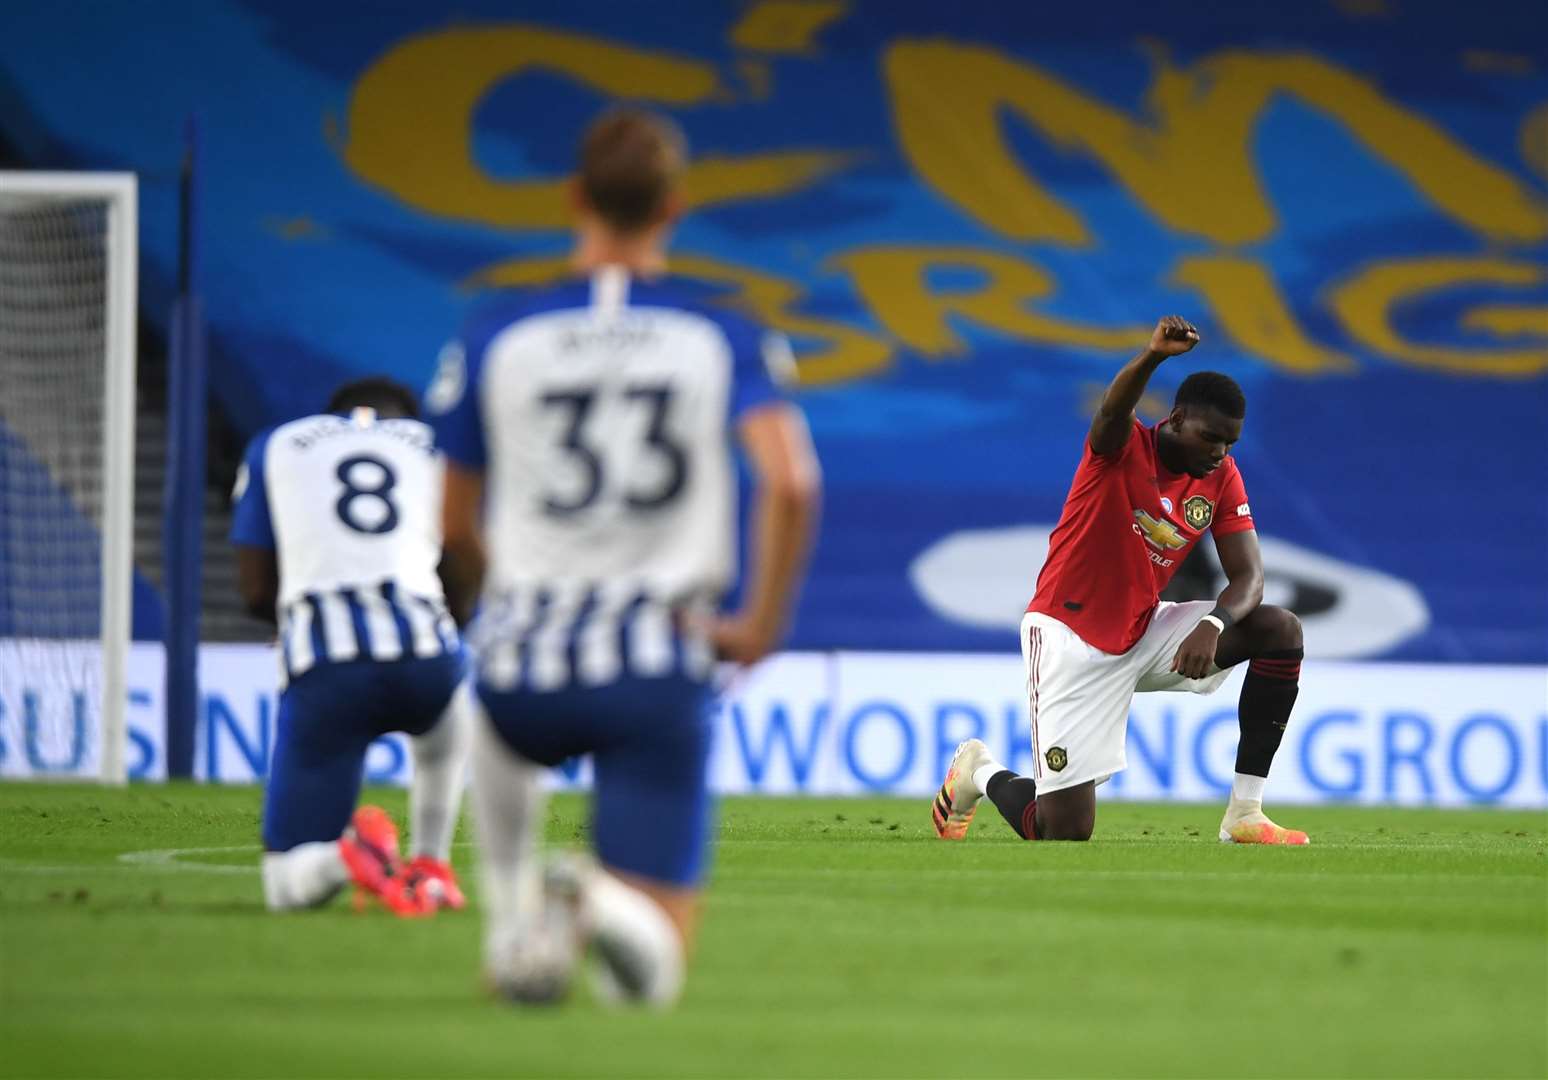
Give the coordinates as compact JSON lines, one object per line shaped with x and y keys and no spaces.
{"x":1065,"y":829}
{"x":638,"y":939}
{"x":306,"y":876}
{"x":1067,"y":815}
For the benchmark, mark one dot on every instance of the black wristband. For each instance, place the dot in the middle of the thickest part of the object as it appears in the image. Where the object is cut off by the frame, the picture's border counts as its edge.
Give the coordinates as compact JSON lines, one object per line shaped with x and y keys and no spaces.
{"x":1223,"y":615}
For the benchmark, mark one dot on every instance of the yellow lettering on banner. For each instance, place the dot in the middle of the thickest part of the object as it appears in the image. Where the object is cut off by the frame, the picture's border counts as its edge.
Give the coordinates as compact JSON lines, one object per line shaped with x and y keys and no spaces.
{"x":1192,"y":167}
{"x":1508,"y":320}
{"x":521,"y":272}
{"x":847,"y":353}
{"x":785,"y":26}
{"x":712,"y":180}
{"x":1249,"y":307}
{"x":893,"y":281}
{"x":1365,"y":305}
{"x":411,"y":122}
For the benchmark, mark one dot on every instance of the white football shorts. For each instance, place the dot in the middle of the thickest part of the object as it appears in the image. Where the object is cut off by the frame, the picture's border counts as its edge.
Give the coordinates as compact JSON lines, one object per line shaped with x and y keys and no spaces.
{"x":1079,"y":696}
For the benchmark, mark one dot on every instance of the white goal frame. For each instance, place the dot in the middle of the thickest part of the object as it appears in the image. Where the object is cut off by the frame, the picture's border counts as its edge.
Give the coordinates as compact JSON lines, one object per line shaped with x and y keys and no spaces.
{"x":121,"y":193}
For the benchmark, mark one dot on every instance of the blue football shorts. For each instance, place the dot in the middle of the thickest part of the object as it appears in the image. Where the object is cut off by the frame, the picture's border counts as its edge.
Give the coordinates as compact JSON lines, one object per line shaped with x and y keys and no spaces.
{"x":328,"y":718}
{"x":649,"y":739}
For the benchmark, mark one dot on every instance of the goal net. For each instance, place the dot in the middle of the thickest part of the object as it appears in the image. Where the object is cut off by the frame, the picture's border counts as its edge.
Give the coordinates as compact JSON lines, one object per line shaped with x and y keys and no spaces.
{"x":68,"y":247}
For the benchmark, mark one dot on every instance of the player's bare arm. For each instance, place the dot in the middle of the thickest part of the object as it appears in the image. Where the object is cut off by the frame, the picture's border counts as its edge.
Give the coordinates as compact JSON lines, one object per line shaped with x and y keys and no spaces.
{"x":258,"y":581}
{"x":788,"y":484}
{"x":1114,"y":418}
{"x":463,"y":558}
{"x":1243,"y":566}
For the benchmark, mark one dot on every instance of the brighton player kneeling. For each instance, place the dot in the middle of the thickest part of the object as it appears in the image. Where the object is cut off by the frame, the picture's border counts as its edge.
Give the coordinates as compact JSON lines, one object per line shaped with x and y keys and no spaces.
{"x":337,"y":533}
{"x":591,"y":502}
{"x":1097,"y":631}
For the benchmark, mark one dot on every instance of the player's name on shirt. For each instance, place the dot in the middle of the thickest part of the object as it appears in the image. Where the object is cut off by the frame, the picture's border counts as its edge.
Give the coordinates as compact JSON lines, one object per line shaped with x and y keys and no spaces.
{"x":306,"y":434}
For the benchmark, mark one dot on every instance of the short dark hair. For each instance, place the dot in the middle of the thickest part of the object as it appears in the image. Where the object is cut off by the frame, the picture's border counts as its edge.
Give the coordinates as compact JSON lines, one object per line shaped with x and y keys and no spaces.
{"x":376,"y":392}
{"x":630,"y":160}
{"x":1213,"y":389}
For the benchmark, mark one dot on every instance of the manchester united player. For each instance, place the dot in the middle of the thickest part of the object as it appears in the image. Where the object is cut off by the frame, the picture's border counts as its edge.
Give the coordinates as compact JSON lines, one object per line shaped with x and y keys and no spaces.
{"x":1097,"y":631}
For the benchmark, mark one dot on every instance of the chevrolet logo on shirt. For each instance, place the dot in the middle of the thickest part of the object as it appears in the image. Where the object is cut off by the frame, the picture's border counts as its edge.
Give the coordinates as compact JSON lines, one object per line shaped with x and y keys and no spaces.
{"x":1161,"y":534}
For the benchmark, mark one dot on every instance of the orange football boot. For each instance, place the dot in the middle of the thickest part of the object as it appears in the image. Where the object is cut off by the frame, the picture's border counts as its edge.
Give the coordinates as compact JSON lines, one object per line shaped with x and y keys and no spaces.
{"x":369,"y":848}
{"x":434,"y":880}
{"x":1245,"y":823}
{"x":955,"y":804}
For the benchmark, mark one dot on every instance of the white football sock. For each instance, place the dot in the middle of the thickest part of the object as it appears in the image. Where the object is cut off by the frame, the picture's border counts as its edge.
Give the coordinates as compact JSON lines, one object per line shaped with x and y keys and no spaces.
{"x":305,"y":876}
{"x":440,"y":759}
{"x":507,"y":803}
{"x":983,"y":773}
{"x":1245,"y":788}
{"x":637,"y":942}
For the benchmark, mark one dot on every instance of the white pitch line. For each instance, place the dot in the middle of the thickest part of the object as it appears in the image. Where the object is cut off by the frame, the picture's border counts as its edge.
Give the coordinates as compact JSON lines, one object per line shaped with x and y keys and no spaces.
{"x":169,"y":859}
{"x":155,"y":859}
{"x":11,"y":866}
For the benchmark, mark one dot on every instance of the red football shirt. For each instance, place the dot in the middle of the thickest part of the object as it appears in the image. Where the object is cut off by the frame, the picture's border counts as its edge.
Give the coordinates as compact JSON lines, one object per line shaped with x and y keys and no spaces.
{"x":1127,"y":525}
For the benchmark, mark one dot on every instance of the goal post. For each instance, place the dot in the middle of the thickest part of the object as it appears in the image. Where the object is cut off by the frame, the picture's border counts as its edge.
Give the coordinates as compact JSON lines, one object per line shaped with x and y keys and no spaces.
{"x":68,"y":307}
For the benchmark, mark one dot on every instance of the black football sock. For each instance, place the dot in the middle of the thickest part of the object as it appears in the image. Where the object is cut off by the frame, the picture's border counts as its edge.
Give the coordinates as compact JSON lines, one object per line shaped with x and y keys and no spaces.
{"x":1016,"y":799}
{"x":1268,"y":693}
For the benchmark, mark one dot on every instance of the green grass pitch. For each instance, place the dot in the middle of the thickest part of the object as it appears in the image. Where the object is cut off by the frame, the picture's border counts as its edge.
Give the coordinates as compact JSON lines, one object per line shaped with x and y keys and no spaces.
{"x":840,"y":939}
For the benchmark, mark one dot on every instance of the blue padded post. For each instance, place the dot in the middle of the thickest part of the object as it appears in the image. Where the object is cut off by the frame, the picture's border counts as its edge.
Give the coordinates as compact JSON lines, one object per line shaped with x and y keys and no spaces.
{"x":183,"y":509}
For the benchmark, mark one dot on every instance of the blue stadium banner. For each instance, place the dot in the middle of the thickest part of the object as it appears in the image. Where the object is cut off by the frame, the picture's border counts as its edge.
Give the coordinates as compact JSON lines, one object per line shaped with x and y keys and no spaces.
{"x":885,"y":723}
{"x":965,"y":217}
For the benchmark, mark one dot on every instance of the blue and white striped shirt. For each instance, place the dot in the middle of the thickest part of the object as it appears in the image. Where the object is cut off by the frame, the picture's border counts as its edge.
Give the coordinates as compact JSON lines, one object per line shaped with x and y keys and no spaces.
{"x":546,"y":637}
{"x":601,"y":413}
{"x":377,"y":621}
{"x":351,"y":507}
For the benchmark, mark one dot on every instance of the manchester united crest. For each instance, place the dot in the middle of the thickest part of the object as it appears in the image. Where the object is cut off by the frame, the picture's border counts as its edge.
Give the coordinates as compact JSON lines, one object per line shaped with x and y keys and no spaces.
{"x":1198,"y":512}
{"x":1057,"y":758}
